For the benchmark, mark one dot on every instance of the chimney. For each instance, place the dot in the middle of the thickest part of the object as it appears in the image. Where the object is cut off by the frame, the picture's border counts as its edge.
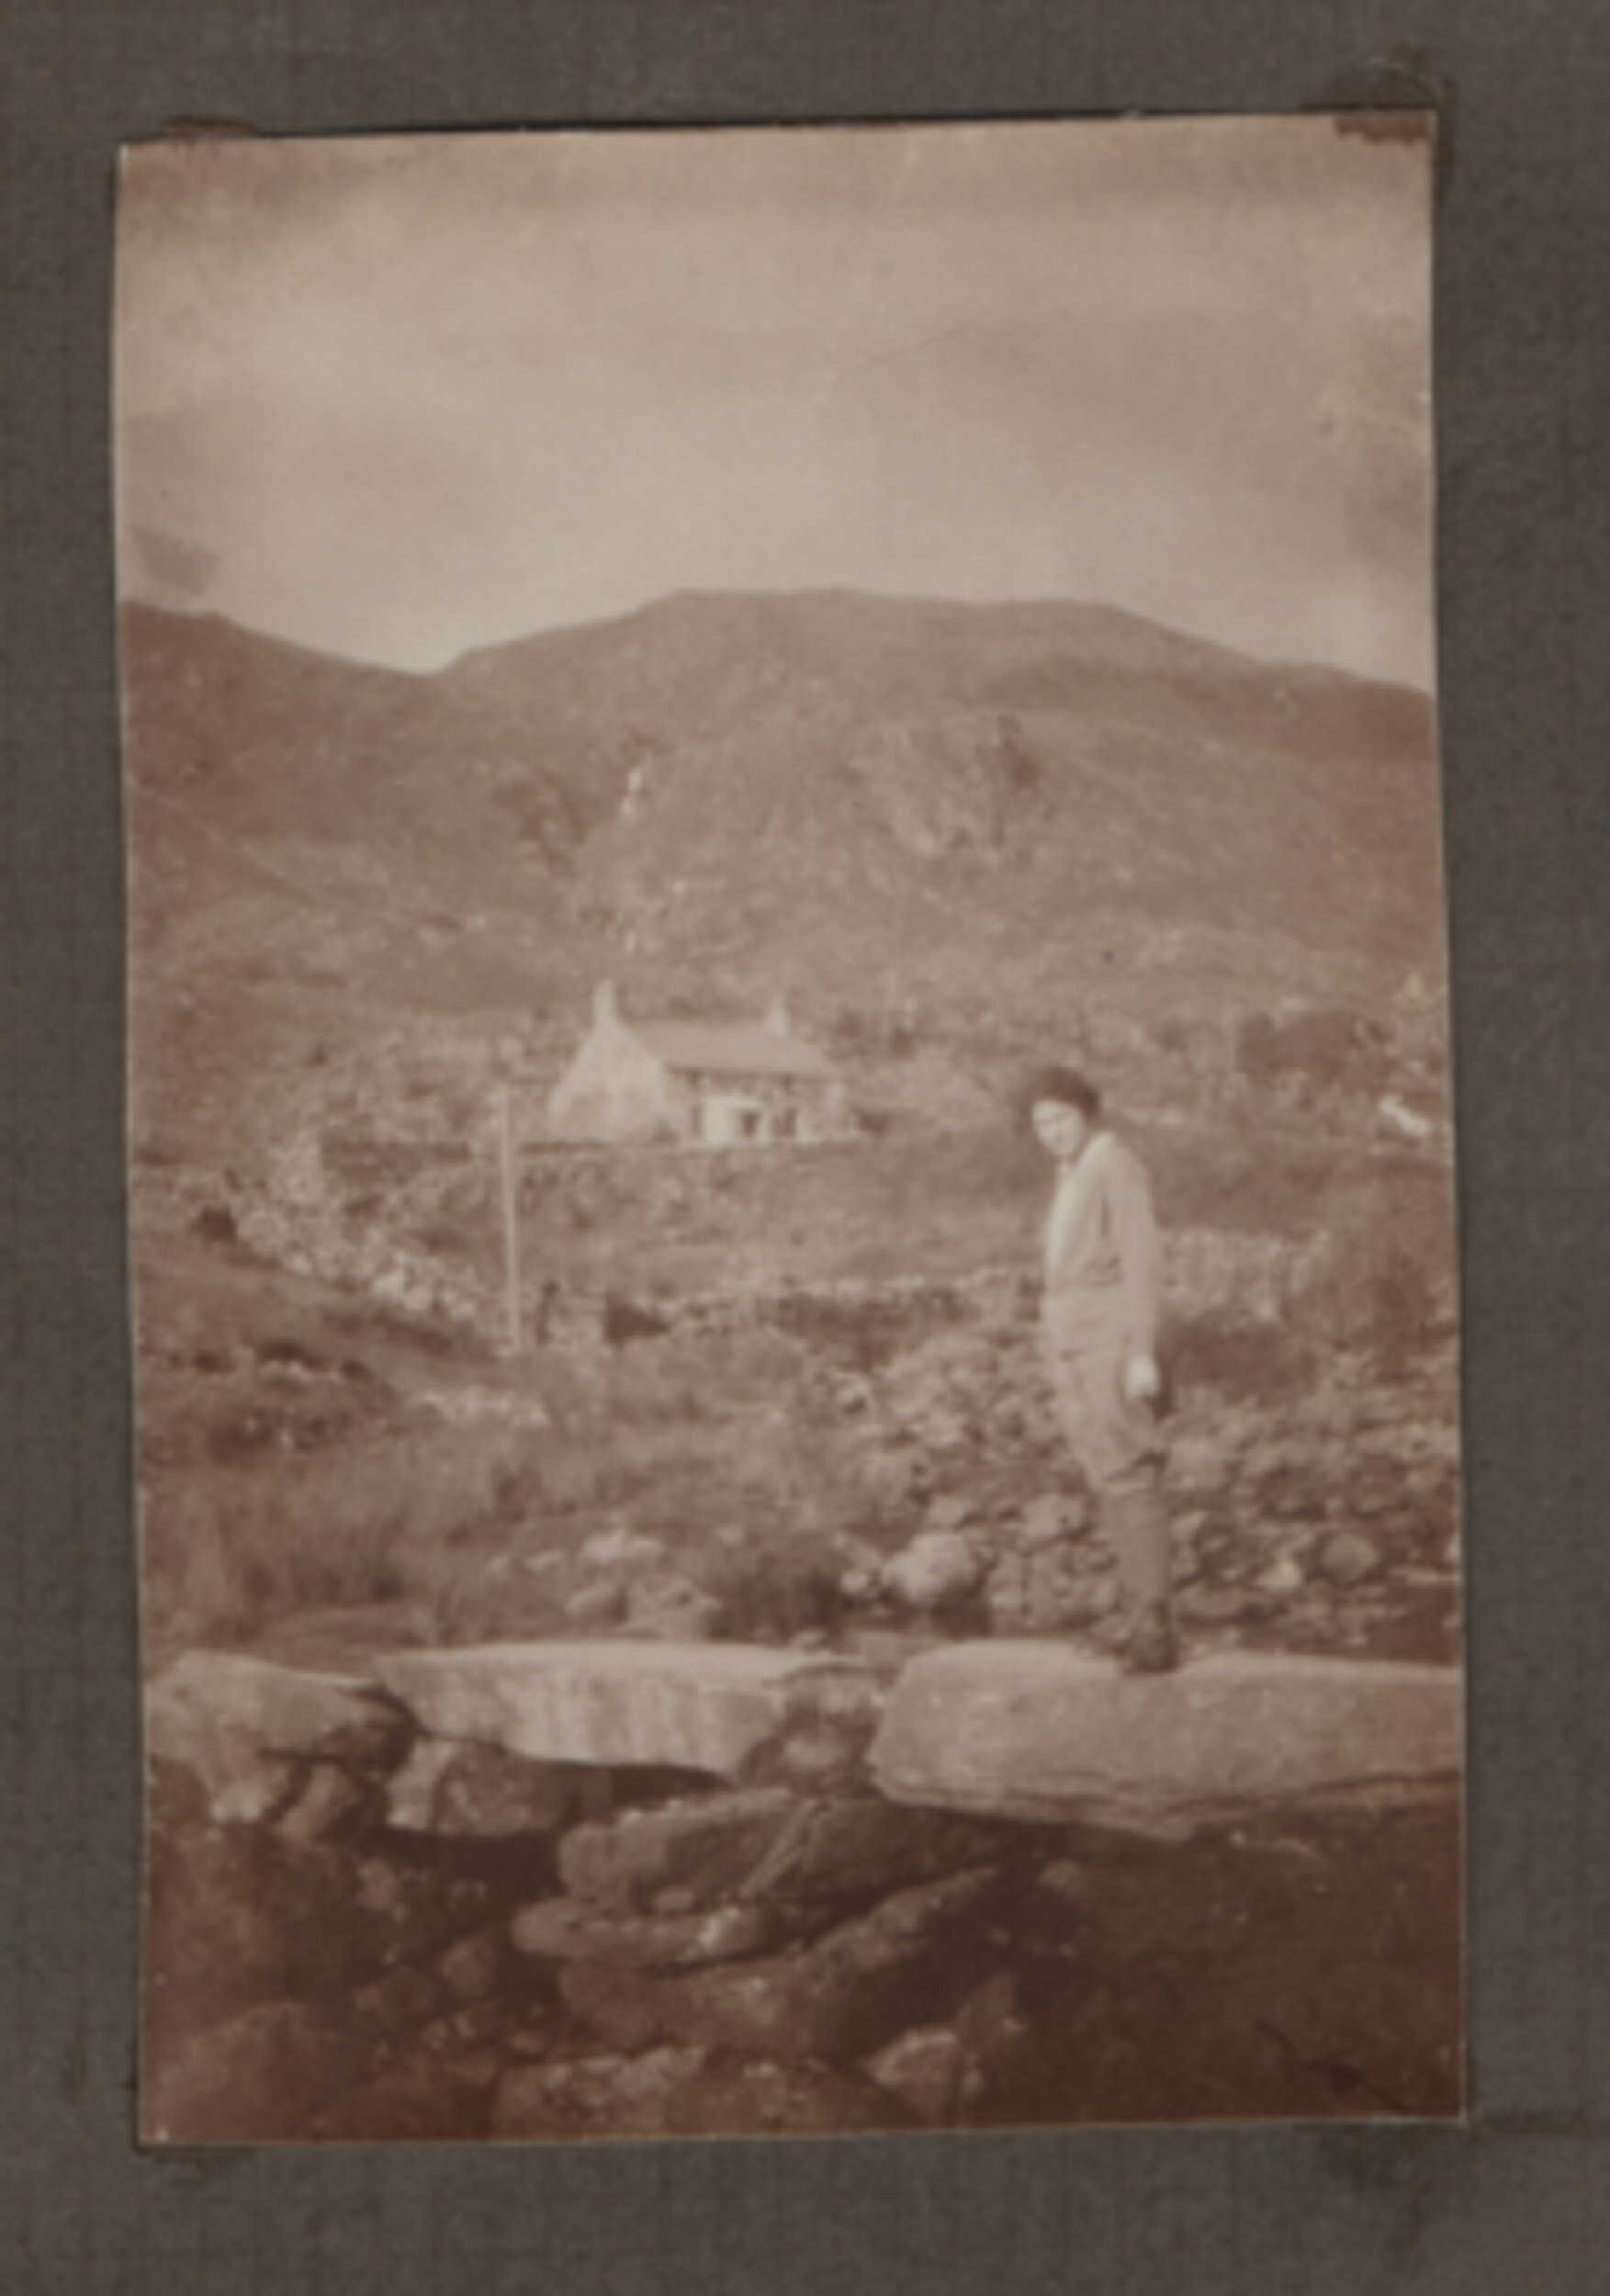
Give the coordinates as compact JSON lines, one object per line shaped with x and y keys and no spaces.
{"x":777,"y":1016}
{"x":606,"y":1013}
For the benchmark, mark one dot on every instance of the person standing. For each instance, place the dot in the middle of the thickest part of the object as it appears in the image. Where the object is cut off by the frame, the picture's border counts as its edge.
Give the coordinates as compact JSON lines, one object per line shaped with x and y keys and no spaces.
{"x":1099,"y":1318}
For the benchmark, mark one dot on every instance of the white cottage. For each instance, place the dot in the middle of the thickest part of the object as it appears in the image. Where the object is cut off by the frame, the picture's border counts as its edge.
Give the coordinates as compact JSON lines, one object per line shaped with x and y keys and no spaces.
{"x":712,"y":1082}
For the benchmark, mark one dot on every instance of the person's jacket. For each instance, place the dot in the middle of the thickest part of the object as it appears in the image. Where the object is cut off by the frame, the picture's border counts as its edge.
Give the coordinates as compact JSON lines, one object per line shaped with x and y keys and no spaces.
{"x":1103,"y":1253}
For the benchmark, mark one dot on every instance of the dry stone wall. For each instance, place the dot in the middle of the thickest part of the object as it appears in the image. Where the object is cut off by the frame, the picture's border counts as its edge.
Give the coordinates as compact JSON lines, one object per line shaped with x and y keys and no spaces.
{"x":359,"y":1211}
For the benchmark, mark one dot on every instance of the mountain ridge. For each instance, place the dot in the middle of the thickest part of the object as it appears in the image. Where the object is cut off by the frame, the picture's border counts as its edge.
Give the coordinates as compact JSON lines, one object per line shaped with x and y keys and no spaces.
{"x":990,"y":814}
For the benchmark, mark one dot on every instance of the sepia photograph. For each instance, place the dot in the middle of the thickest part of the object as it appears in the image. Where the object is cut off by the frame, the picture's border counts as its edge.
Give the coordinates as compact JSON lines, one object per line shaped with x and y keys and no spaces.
{"x":790,"y":1134}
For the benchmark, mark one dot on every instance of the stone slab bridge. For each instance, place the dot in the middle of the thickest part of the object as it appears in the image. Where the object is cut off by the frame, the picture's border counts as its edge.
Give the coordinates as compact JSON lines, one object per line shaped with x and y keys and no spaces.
{"x":1029,"y":1731}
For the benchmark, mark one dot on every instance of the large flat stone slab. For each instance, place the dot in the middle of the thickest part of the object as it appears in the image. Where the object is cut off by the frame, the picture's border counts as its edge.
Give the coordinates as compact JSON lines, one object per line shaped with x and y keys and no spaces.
{"x":681,"y":1706}
{"x":1035,"y":1730}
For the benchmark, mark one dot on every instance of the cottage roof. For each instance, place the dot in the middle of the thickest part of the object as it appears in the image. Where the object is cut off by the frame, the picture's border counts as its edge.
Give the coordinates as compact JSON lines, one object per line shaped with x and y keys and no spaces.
{"x":726,"y":1048}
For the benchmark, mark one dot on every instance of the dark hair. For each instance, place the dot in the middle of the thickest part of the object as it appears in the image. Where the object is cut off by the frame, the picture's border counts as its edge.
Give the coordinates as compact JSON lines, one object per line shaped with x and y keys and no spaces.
{"x":1065,"y":1086}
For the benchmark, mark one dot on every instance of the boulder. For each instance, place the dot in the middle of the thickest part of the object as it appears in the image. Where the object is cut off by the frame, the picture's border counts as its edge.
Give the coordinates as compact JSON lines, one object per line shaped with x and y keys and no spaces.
{"x":1036,"y":1731}
{"x":333,"y":1805}
{"x":242,"y":1726}
{"x":702,"y":1849}
{"x":847,"y":1993}
{"x":479,"y":1793}
{"x":1052,"y":1516}
{"x":704,"y":1707}
{"x":1348,"y":1558}
{"x":937,"y":1567}
{"x":925,"y":2069}
{"x":568,"y":1929}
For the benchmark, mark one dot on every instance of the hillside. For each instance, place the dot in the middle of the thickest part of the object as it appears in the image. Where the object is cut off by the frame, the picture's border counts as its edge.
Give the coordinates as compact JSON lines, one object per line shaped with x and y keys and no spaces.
{"x":978,"y":828}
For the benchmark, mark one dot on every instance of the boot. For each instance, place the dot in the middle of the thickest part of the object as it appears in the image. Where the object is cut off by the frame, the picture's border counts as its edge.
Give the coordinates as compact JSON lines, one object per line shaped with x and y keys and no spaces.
{"x":1137,"y":1524}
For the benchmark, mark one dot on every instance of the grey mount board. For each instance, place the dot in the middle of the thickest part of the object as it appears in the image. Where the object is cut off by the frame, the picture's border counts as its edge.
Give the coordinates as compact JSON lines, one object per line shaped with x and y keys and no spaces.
{"x":1519,"y":2200}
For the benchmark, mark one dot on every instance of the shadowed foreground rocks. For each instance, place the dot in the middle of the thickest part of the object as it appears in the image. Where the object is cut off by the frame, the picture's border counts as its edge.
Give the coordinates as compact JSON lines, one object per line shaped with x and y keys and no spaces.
{"x":418,"y":1936}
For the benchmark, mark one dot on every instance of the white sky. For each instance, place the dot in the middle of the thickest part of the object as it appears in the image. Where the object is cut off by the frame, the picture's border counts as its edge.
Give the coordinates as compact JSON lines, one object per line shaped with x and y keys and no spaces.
{"x":408,"y":395}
